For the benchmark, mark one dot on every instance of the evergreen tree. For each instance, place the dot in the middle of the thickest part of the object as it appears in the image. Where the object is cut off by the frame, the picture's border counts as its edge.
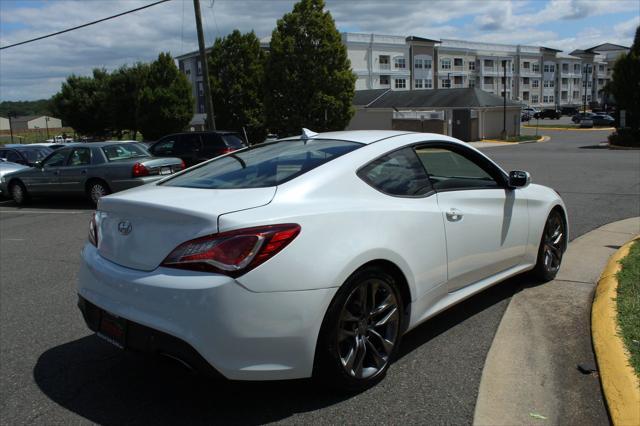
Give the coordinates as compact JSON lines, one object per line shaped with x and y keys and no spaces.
{"x":236,"y":70}
{"x":309,"y":82}
{"x":165,"y":101}
{"x":124,"y":87}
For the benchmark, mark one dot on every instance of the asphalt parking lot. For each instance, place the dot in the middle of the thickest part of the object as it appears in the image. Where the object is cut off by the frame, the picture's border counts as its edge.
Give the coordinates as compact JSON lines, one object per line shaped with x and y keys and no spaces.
{"x":52,"y":370}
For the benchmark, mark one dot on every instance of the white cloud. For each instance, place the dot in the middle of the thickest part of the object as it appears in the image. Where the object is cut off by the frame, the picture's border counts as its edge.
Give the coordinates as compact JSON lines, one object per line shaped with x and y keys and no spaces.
{"x":36,"y":70}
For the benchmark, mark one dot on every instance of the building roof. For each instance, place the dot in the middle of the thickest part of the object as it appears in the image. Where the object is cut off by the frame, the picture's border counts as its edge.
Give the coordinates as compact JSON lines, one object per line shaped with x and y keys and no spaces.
{"x":435,"y":98}
{"x":566,"y":56}
{"x":428,"y":40}
{"x":27,"y":118}
{"x":550,"y":49}
{"x":606,"y":46}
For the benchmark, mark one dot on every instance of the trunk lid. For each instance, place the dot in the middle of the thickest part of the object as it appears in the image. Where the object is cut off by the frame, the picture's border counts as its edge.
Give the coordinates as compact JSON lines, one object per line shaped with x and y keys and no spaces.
{"x":138,"y":228}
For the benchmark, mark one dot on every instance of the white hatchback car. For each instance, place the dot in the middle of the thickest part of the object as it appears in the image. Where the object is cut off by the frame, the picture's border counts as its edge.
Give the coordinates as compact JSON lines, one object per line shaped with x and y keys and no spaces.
{"x":311,"y":255}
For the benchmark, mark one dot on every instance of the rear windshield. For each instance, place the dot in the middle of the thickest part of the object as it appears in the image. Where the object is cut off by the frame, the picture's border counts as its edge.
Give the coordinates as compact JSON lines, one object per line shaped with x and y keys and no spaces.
{"x":264,"y":165}
{"x":233,"y":141}
{"x":35,"y":154}
{"x":124,"y":151}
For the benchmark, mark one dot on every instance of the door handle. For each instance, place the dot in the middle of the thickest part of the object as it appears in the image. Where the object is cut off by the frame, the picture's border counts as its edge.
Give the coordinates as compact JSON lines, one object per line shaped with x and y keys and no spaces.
{"x":454,"y":215}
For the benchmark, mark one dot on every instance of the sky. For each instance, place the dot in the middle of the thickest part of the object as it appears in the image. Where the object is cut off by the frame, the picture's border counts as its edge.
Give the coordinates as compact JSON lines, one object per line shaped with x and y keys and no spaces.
{"x":37,"y":70}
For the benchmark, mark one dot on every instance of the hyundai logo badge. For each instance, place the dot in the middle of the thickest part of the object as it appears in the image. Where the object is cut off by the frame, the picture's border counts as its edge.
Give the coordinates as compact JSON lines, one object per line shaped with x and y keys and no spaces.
{"x":125,"y":227}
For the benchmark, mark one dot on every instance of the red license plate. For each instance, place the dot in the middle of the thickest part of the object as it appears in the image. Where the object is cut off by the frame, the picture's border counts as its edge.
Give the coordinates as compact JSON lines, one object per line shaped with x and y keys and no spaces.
{"x":113,"y":329}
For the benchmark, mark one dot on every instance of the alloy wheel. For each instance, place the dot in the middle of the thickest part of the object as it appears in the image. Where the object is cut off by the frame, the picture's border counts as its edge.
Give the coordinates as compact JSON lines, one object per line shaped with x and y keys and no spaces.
{"x":368,"y":329}
{"x":97,"y":191}
{"x":553,"y":243}
{"x":17,"y":193}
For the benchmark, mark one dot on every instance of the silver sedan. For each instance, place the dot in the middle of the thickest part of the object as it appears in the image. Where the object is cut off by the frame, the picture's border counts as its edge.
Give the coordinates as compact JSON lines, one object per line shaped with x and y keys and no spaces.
{"x":90,"y":169}
{"x":7,"y":167}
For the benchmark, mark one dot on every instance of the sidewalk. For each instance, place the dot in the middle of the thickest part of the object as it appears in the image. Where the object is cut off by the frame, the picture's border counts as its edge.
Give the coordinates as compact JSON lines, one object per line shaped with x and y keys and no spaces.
{"x":531,"y":368}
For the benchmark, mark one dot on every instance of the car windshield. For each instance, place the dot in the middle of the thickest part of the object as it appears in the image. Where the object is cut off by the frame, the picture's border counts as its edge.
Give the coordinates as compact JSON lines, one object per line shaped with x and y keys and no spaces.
{"x":35,"y":154}
{"x":124,"y":151}
{"x":264,"y":165}
{"x":233,"y":141}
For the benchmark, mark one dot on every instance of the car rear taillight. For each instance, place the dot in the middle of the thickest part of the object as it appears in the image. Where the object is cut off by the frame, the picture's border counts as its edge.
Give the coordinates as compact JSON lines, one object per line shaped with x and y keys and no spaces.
{"x":93,"y":230}
{"x":182,"y":165}
{"x":233,"y":253}
{"x":226,"y":151}
{"x":140,"y":170}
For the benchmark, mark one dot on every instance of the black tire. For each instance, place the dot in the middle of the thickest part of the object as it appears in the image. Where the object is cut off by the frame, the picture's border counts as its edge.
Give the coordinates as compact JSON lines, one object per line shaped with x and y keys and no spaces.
{"x":347,"y":330}
{"x":97,"y":189}
{"x":552,"y":246}
{"x":19,"y":193}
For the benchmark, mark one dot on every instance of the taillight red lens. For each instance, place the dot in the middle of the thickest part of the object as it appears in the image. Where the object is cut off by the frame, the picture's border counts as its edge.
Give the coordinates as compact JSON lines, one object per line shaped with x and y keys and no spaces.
{"x":182,"y":165}
{"x":93,"y":230}
{"x":233,"y":253}
{"x":140,"y":170}
{"x":227,"y":150}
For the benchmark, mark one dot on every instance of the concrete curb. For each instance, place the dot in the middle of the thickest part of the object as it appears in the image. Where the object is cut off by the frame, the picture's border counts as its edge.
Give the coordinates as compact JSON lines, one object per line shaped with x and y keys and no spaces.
{"x":531,"y":368}
{"x":619,"y":381}
{"x":570,"y":129}
{"x":497,"y":141}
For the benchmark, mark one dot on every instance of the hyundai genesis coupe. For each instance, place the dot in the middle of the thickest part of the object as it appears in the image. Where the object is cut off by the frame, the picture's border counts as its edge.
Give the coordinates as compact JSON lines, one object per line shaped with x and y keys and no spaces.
{"x":311,"y":255}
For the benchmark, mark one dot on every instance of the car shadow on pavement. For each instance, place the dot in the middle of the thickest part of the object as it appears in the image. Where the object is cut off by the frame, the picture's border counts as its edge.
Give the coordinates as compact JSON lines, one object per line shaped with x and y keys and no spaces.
{"x":107,"y":386}
{"x":62,"y":203}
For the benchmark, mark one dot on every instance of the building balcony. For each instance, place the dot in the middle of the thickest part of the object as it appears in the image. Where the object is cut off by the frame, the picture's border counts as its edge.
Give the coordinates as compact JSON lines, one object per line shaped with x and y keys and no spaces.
{"x":384,"y":66}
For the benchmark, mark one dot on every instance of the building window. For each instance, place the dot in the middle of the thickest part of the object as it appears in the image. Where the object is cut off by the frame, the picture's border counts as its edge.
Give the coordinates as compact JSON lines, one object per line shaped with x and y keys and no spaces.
{"x":550,"y":98}
{"x":535,"y":67}
{"x":565,"y":68}
{"x":589,"y":83}
{"x":525,"y":81}
{"x":428,"y":84}
{"x":534,"y":99}
{"x":525,"y":96}
{"x":418,"y":83}
{"x":600,"y":81}
{"x":427,"y":64}
{"x":401,"y":83}
{"x":601,"y":68}
{"x":472,"y":82}
{"x":458,"y":62}
{"x":576,"y":81}
{"x":472,"y":65}
{"x":384,"y":61}
{"x":546,"y":83}
{"x":576,"y":94}
{"x":525,"y":65}
{"x":446,"y":83}
{"x":535,"y":83}
{"x":418,"y":64}
{"x":488,"y":80}
{"x":457,"y":79}
{"x":399,"y":63}
{"x":564,"y":95}
{"x":565,"y":81}
{"x":576,"y":68}
{"x":445,"y":64}
{"x":588,"y":98}
{"x":384,"y":80}
{"x":545,"y":99}
{"x":488,"y":63}
{"x":546,"y":68}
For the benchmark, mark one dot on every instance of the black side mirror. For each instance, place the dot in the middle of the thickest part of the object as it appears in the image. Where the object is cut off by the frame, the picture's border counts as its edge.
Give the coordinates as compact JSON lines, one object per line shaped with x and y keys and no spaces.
{"x":519,"y":179}
{"x":38,"y":164}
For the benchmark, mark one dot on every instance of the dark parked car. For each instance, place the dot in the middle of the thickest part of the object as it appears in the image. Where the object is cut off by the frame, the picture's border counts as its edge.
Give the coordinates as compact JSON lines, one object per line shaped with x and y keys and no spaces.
{"x":548,"y":113}
{"x":569,"y":110}
{"x":196,"y":147}
{"x":602,"y":120}
{"x":583,"y":115}
{"x":94,"y":170}
{"x":26,"y":155}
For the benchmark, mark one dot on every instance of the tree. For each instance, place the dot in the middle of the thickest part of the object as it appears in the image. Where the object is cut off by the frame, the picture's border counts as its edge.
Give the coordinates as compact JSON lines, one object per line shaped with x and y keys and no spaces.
{"x":309,"y":79}
{"x":165,"y":101}
{"x":17,"y":108}
{"x":236,"y":70}
{"x":81,"y":103}
{"x":625,"y":88}
{"x":124,"y":87}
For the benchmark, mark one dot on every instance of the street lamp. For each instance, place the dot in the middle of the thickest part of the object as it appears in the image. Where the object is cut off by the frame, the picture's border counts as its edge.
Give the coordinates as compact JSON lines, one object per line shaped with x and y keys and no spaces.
{"x":46,"y":121}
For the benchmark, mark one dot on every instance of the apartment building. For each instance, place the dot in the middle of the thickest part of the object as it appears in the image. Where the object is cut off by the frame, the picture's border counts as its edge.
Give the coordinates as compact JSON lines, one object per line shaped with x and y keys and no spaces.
{"x":535,"y":75}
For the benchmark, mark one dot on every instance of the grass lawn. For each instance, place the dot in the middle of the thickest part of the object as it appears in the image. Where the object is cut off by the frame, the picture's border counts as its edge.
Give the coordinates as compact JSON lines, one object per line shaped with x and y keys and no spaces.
{"x":628,"y":302}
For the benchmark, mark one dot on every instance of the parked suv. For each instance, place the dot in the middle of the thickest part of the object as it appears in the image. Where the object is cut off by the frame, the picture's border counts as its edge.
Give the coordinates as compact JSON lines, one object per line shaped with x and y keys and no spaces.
{"x":569,"y":110}
{"x":196,"y":147}
{"x":548,"y":113}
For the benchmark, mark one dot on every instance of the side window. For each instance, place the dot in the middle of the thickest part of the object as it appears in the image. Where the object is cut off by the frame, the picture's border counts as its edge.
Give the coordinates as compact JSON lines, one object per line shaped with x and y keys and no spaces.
{"x":79,"y":157}
{"x":189,"y":143}
{"x":12,"y":156}
{"x":398,"y":173}
{"x":57,"y":159}
{"x":164,"y":147}
{"x":449,"y":170}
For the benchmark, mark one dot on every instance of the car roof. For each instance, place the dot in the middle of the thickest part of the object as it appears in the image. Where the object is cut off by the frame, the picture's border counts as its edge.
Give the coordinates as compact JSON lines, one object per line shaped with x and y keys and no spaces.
{"x":360,"y":136}
{"x":97,"y":144}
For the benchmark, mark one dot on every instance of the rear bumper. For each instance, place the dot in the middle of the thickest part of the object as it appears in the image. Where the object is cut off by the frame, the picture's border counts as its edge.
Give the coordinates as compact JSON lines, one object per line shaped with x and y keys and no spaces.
{"x":242,"y":334}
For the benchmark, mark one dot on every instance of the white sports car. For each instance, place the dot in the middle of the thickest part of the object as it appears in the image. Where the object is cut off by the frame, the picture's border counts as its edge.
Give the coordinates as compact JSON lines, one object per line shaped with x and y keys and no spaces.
{"x":312,"y":255}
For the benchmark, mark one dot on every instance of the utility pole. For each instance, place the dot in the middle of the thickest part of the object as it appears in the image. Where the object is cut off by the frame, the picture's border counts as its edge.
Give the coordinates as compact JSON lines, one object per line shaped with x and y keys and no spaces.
{"x":46,"y":121}
{"x":584,"y":104}
{"x":210,"y":123}
{"x":504,"y":107}
{"x":10,"y":127}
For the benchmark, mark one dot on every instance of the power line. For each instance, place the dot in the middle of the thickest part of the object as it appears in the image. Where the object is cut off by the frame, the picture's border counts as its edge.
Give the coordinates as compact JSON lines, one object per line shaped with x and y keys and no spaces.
{"x":83,"y":25}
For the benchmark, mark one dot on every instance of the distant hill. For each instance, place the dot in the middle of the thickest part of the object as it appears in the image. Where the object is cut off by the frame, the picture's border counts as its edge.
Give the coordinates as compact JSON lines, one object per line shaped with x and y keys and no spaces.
{"x":17,"y":108}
